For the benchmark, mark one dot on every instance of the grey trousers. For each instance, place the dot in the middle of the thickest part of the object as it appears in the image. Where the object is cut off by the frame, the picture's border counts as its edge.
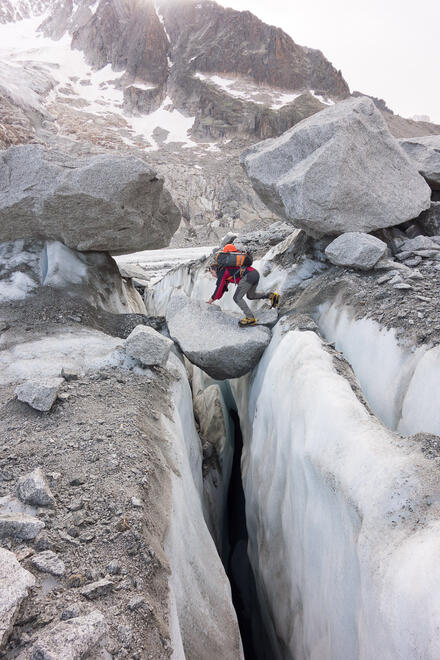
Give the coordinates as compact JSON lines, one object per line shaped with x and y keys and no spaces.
{"x":248,"y":287}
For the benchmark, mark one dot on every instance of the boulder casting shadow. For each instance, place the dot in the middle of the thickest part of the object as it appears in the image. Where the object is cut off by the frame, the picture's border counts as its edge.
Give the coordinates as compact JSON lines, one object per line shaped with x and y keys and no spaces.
{"x":212,"y":339}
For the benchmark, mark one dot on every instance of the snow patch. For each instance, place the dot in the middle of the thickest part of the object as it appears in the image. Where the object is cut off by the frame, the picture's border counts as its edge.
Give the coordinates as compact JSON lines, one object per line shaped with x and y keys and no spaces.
{"x":250,"y":91}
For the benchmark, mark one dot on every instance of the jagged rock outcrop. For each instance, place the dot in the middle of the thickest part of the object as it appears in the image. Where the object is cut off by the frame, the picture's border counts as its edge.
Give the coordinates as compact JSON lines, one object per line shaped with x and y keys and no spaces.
{"x":212,"y":339}
{"x":104,"y":202}
{"x":338,"y":171}
{"x":425,"y":153}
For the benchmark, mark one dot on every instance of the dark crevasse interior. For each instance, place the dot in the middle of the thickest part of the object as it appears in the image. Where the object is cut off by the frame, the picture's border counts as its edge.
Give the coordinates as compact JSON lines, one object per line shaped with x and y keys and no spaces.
{"x":256,"y":644}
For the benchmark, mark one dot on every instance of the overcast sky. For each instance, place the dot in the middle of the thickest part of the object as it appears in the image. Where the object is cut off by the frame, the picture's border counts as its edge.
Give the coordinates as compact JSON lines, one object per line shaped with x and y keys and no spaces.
{"x":386,"y":48}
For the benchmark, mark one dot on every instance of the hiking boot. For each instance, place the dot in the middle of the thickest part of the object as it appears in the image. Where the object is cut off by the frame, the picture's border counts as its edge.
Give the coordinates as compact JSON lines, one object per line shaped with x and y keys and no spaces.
{"x":248,"y":320}
{"x":274,"y":299}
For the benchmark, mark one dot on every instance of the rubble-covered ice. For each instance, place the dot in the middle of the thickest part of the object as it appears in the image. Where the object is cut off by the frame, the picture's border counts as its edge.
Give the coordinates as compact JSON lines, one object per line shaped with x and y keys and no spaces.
{"x":401,"y":383}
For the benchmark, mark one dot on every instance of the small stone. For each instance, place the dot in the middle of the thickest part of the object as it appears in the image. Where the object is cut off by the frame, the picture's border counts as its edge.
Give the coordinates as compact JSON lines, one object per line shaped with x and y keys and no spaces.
{"x":75,"y":505}
{"x":87,"y":537}
{"x":137,"y":503}
{"x":77,"y":481}
{"x":69,"y":613}
{"x":49,"y":562}
{"x":39,"y":394}
{"x":75,"y":580}
{"x":97,"y":589}
{"x":70,"y":373}
{"x":402,"y":285}
{"x":136,"y":603}
{"x":19,"y":526}
{"x":42,"y":542}
{"x":34,"y":489}
{"x":413,"y":262}
{"x":114,"y":567}
{"x":24,"y":553}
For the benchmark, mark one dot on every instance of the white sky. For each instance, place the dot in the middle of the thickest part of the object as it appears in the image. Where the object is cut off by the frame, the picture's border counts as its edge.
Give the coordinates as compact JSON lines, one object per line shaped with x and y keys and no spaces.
{"x":386,"y":48}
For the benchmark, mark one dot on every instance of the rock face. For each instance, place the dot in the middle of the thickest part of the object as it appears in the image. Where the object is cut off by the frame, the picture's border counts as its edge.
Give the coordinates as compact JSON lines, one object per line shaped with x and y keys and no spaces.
{"x":104,"y":202}
{"x":148,"y":346}
{"x":212,"y":340}
{"x":425,"y":154}
{"x":40,"y":394}
{"x":14,"y":585}
{"x":71,"y":639}
{"x":356,"y":250}
{"x":34,"y":489}
{"x":338,"y":171}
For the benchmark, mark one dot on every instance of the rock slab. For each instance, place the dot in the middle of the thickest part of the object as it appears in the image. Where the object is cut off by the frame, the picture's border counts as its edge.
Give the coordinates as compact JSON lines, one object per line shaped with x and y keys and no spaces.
{"x":104,"y":202}
{"x":39,"y":394}
{"x":34,"y":489}
{"x":425,"y":154}
{"x":14,"y":584}
{"x":340,"y":170}
{"x":72,"y":639}
{"x":356,"y":250}
{"x":49,"y":562}
{"x":19,"y":526}
{"x":148,"y":346}
{"x":212,"y":339}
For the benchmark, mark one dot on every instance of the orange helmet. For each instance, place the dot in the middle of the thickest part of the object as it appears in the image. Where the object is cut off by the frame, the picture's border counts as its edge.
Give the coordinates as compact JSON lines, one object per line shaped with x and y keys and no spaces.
{"x":230,"y":247}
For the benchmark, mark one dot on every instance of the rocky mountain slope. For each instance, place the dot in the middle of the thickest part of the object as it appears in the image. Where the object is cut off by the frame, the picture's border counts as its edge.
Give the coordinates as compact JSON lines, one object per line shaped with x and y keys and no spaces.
{"x":185,"y":85}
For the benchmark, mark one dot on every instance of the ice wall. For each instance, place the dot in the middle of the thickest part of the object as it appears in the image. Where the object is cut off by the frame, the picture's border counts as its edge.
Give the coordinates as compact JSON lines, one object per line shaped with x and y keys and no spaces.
{"x":401,"y":383}
{"x":342,"y":514}
{"x":204,"y":622}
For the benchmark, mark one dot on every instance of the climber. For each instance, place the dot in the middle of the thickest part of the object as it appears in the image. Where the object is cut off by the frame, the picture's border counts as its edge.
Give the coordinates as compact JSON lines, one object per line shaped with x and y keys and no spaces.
{"x":244,"y":276}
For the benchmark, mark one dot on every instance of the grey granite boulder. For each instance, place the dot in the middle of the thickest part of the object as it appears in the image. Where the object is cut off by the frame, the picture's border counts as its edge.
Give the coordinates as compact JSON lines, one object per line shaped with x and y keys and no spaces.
{"x":148,"y":346}
{"x":339,"y":170}
{"x":212,"y":339}
{"x":19,"y":526}
{"x":34,"y":489}
{"x":40,"y":394}
{"x":425,"y":154}
{"x":70,"y":640}
{"x":14,"y":584}
{"x":356,"y":250}
{"x":105,"y":202}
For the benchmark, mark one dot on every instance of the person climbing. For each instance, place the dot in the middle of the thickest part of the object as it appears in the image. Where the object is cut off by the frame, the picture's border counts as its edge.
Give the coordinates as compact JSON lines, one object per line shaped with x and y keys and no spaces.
{"x":234,"y":267}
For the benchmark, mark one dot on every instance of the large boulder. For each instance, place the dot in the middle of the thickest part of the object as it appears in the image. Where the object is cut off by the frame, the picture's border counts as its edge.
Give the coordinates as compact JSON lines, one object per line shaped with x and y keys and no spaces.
{"x":356,"y":250}
{"x":212,"y":339}
{"x":148,"y":346}
{"x":340,"y":170}
{"x":104,"y":202}
{"x":425,"y":154}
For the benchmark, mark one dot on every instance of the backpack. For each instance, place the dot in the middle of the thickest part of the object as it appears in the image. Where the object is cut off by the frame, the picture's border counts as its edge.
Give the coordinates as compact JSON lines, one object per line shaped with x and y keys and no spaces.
{"x":234,"y":259}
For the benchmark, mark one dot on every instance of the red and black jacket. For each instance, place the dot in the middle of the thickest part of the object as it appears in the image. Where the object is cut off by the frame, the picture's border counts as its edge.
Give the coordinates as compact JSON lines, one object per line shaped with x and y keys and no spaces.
{"x":227,"y":276}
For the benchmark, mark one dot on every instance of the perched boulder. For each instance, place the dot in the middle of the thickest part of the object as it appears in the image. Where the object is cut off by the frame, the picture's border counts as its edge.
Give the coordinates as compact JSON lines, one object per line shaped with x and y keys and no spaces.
{"x":19,"y":526}
{"x":425,"y":154}
{"x":356,"y":250}
{"x":14,"y":584}
{"x":340,"y":170}
{"x":49,"y":562}
{"x":71,"y":639}
{"x":148,"y":346}
{"x":34,"y":489}
{"x":104,"y":202}
{"x":40,"y":394}
{"x":212,"y":339}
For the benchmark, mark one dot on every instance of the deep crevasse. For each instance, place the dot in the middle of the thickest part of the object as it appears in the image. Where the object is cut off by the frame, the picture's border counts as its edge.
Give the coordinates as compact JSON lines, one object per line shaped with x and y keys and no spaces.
{"x":342,"y":515}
